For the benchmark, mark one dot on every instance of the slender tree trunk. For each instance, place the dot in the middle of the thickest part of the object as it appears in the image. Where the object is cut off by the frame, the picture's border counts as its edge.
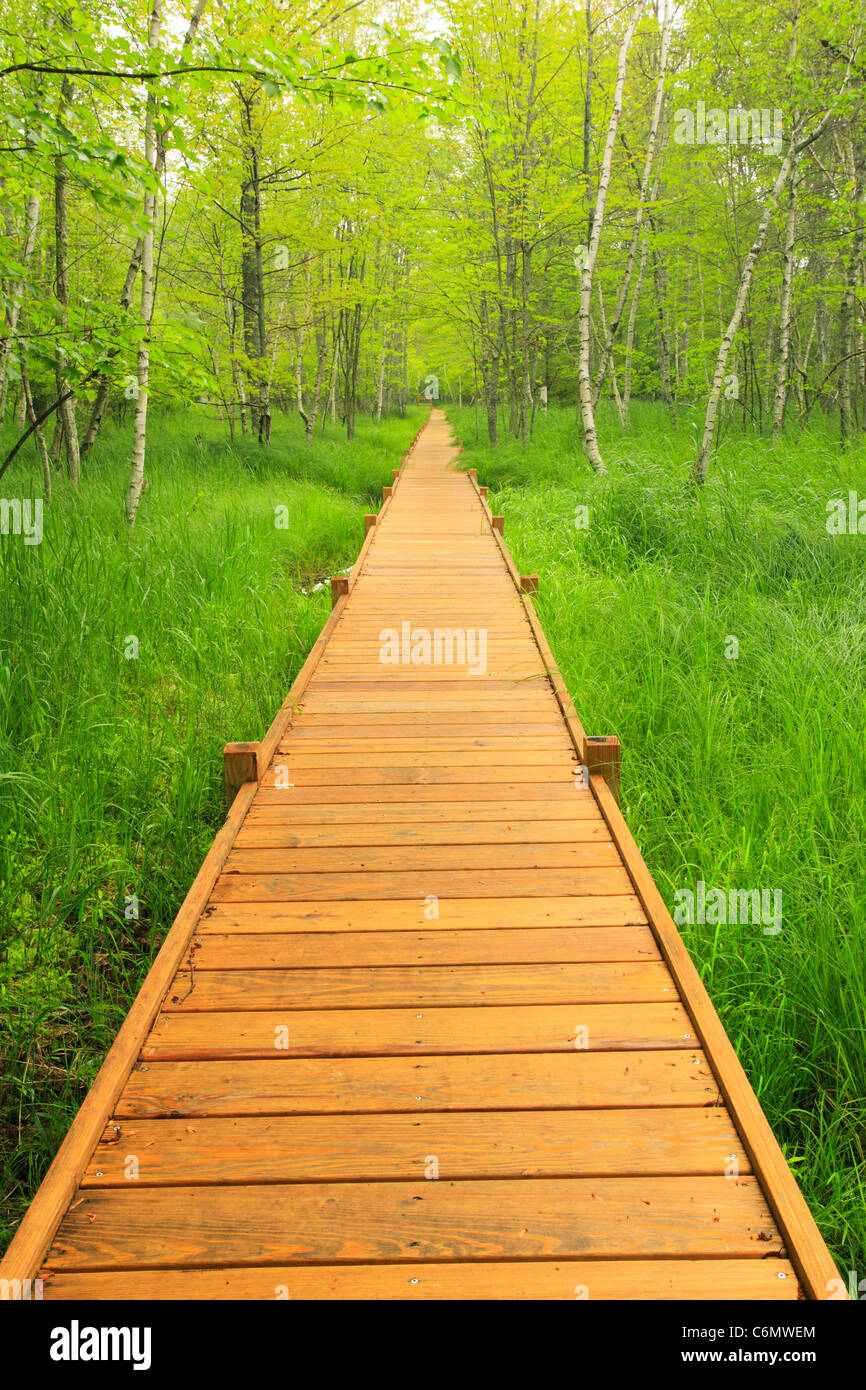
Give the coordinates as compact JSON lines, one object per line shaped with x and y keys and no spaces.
{"x":848,"y":303}
{"x":629,"y":337}
{"x":590,"y":437}
{"x":587,"y":125}
{"x":380,"y":384}
{"x":139,"y":430}
{"x":252,"y":279}
{"x":644,"y":188}
{"x":780,"y":394}
{"x":16,"y":296}
{"x":104,"y":381}
{"x":66,"y":412}
{"x":321,"y":359}
{"x":702,"y":460}
{"x":37,"y":429}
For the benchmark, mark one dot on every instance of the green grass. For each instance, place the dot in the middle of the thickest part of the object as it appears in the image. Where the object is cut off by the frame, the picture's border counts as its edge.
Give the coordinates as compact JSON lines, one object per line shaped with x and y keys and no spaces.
{"x":111,"y":768}
{"x":746,"y":772}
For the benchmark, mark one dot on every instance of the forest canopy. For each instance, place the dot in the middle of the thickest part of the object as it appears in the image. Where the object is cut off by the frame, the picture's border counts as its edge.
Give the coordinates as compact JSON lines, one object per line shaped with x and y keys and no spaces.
{"x":330,"y":209}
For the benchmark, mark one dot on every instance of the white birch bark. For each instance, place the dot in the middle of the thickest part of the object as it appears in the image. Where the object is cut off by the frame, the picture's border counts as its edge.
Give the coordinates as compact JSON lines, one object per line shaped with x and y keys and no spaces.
{"x":646,"y":176}
{"x":587,"y":414}
{"x":139,"y":431}
{"x":795,"y":149}
{"x":780,"y":393}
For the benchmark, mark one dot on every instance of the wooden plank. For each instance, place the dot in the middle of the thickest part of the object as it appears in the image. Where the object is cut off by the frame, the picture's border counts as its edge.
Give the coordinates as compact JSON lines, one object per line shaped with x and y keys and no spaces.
{"x":281,"y":831}
{"x":365,"y":1148}
{"x":278,"y":807}
{"x":695,"y":1217}
{"x":388,"y":1032}
{"x":660,"y":1280}
{"x":445,"y":883}
{"x":284,"y":950}
{"x":457,"y":914}
{"x":427,"y":774}
{"x":339,"y":793}
{"x":420,"y":858}
{"x":544,"y":761}
{"x":382,"y":737}
{"x":404,"y":987}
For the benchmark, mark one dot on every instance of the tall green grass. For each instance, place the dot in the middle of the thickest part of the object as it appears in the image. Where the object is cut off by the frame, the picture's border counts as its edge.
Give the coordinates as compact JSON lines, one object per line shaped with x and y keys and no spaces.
{"x":111,"y":766}
{"x":746,"y":772}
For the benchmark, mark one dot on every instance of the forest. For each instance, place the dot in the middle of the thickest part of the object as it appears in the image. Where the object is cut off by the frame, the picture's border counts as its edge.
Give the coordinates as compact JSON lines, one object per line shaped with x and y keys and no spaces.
{"x":245,"y":248}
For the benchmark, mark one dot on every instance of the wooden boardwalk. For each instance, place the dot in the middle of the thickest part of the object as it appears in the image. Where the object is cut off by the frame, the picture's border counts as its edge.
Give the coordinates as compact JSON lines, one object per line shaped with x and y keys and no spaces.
{"x":423,"y":1027}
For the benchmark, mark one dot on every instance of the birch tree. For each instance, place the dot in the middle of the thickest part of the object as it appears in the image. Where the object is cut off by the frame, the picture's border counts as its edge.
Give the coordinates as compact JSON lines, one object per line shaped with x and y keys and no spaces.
{"x":797,"y":145}
{"x":590,"y":437}
{"x":643,"y":193}
{"x":139,"y":431}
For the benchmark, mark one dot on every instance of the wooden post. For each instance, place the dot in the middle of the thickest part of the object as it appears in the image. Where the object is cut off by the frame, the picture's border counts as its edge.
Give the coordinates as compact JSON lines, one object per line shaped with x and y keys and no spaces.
{"x":473,"y":473}
{"x":603,"y":756}
{"x":339,"y":586}
{"x":395,"y":473}
{"x":498,"y":523}
{"x":241,"y":764}
{"x":369,"y":522}
{"x":483,"y":491}
{"x":529,"y":583}
{"x":386,"y":492}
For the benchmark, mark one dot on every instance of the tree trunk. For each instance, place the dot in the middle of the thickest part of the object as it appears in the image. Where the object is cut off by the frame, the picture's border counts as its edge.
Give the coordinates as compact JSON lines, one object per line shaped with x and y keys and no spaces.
{"x":66,"y":413}
{"x":139,"y":430}
{"x":16,"y":297}
{"x":702,"y":460}
{"x":849,"y":301}
{"x":104,"y":381}
{"x":252,"y":277}
{"x":590,"y":438}
{"x":643,"y":191}
{"x":780,"y":394}
{"x":380,"y":384}
{"x":37,"y":429}
{"x":321,"y":359}
{"x":629,"y":337}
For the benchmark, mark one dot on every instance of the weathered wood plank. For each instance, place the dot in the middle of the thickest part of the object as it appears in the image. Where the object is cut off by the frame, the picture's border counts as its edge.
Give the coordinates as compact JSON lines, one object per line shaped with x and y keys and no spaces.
{"x":362,"y":1148}
{"x":713,"y":1280}
{"x":444,"y":883}
{"x":411,"y":859}
{"x":457,"y":914}
{"x":282,"y":832}
{"x":429,"y":986}
{"x":503,"y":945}
{"x":516,"y":1219}
{"x":261,"y":1033}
